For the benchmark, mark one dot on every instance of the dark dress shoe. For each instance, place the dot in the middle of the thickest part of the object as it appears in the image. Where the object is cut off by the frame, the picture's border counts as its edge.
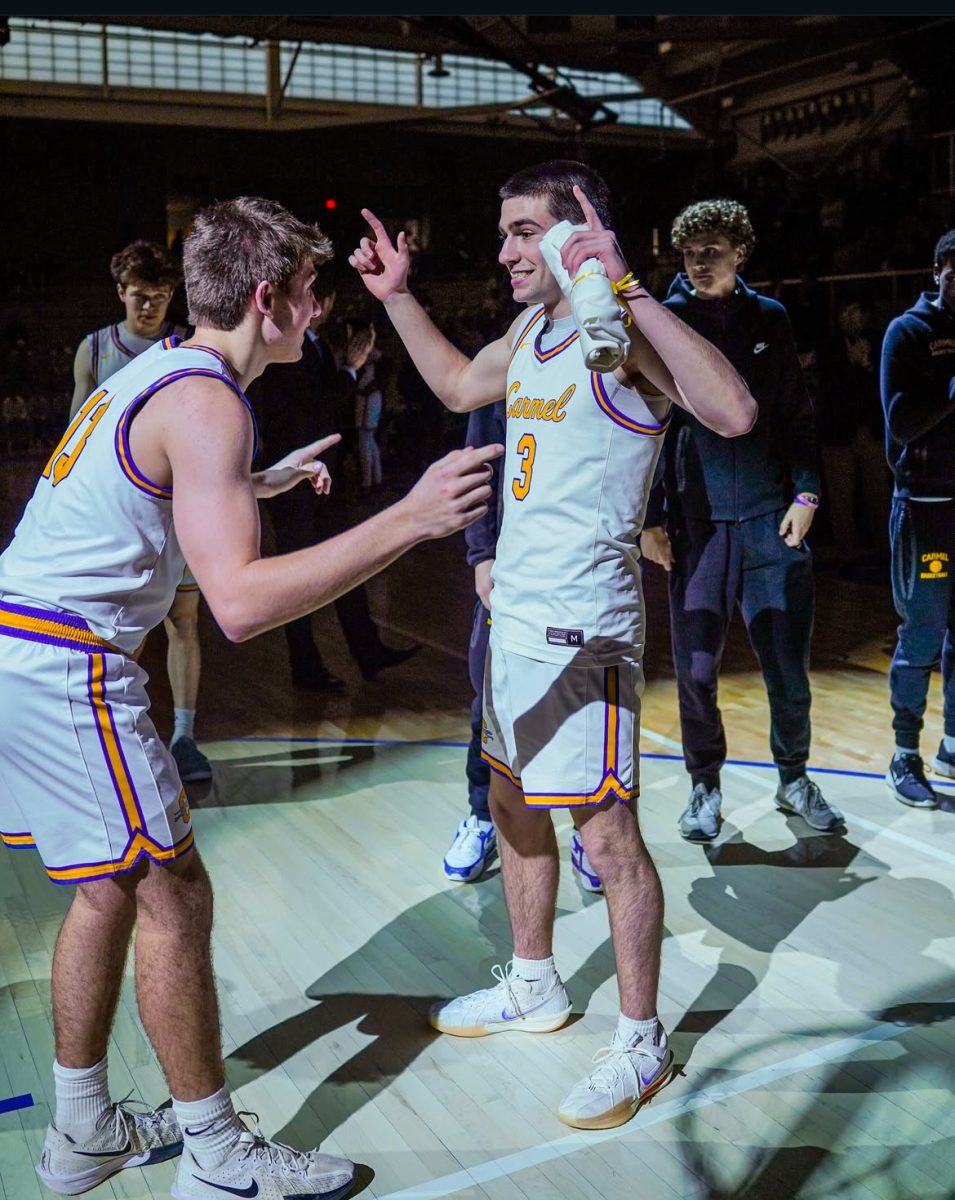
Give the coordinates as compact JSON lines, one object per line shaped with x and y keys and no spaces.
{"x":386,"y":656}
{"x":318,"y":681}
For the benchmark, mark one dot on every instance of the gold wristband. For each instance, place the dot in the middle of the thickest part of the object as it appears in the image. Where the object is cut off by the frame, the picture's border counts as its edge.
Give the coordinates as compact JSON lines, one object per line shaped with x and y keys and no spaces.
{"x":628,"y":283}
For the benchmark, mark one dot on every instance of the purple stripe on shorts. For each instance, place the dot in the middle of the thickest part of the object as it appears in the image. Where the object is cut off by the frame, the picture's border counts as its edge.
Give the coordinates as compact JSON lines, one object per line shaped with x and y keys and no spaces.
{"x":102,"y":742}
{"x":46,"y":614}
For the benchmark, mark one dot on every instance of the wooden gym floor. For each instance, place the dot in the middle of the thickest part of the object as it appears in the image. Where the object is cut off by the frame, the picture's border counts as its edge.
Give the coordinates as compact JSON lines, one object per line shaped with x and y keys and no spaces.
{"x":807,"y":980}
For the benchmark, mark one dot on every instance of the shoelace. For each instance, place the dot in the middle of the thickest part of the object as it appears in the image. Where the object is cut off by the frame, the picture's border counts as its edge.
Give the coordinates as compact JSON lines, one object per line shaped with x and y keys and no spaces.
{"x":261,"y":1149}
{"x":503,"y":976}
{"x":817,"y":802}
{"x":607,"y":1071}
{"x":125,"y":1109}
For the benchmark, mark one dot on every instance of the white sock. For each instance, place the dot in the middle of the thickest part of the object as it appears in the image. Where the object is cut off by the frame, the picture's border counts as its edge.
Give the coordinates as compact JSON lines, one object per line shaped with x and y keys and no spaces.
{"x":210,"y":1127}
{"x":651,"y":1030}
{"x":184,"y":720}
{"x":901,"y":751}
{"x":949,"y":743}
{"x":535,"y":970}
{"x":82,"y":1096}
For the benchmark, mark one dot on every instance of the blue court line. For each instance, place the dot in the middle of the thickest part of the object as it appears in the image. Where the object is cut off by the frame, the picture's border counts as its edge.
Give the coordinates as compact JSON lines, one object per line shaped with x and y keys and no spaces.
{"x":730,"y":762}
{"x":15,"y":1102}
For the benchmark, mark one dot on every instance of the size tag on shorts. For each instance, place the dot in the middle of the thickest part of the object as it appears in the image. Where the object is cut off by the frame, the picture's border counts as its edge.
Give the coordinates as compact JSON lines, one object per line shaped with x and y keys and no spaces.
{"x":564,"y":637}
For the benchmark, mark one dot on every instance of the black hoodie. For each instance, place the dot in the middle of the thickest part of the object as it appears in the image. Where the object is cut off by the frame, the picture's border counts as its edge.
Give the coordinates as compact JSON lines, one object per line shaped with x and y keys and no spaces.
{"x":918,"y":399}
{"x":709,"y":477}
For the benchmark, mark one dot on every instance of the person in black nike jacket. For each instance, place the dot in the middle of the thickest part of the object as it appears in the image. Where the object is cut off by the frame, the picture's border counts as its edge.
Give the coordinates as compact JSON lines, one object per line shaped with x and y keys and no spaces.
{"x":729,"y":520}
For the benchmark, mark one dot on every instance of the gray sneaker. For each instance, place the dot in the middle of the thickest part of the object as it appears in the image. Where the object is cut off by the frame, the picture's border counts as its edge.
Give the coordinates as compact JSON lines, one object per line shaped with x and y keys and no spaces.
{"x":805,"y":800}
{"x":700,"y":820}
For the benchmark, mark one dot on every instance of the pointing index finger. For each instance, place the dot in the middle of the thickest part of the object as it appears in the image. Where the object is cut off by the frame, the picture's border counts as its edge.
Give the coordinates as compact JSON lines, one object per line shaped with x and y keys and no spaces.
{"x":380,"y":231}
{"x":590,"y":213}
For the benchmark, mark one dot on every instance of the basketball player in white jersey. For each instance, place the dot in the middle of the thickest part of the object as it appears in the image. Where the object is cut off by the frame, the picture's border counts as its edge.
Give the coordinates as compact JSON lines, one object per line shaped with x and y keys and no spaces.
{"x":155,"y":468}
{"x":563,"y":678}
{"x":146,"y":276}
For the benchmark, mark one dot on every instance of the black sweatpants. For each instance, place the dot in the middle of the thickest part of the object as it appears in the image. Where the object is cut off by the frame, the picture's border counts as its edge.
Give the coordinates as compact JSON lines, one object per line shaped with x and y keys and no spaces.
{"x":719,"y":564}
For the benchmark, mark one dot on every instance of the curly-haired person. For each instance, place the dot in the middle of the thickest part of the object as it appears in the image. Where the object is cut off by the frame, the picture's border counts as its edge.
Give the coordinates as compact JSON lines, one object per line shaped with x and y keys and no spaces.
{"x":729,"y":522}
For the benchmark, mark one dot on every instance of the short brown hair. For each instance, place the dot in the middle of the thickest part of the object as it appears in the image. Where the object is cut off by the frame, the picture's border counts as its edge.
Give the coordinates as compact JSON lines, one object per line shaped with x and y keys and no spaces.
{"x":145,"y":262}
{"x":233,"y":246}
{"x":726,"y":217}
{"x":554,"y":181}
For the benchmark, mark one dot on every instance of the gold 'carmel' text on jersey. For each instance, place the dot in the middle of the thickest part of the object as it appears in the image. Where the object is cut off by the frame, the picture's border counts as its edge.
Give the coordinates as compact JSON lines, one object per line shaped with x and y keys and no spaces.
{"x":580,"y":454}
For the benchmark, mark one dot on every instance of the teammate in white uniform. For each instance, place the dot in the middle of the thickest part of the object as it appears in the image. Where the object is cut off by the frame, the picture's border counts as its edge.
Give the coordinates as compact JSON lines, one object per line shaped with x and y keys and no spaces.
{"x":93,"y":565}
{"x":562,"y":684}
{"x":146,"y":276}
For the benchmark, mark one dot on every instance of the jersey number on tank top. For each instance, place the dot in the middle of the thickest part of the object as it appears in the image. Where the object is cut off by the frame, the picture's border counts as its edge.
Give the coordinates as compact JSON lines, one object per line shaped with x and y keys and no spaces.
{"x":63,"y":460}
{"x":527,"y":449}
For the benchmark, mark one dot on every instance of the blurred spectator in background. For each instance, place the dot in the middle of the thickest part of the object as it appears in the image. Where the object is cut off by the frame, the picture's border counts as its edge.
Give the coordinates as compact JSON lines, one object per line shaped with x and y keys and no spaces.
{"x":850,"y":428}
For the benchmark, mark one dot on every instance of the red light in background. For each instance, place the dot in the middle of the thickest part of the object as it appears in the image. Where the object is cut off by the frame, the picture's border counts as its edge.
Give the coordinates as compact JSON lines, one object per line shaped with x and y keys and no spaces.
{"x":331,"y":203}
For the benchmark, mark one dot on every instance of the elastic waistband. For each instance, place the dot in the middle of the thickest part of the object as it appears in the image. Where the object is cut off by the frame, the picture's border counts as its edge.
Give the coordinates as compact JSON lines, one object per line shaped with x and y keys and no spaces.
{"x":55,"y":629}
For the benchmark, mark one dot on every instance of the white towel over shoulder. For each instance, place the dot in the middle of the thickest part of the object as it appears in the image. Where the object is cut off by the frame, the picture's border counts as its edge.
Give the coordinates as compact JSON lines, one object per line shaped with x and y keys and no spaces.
{"x":604,"y":341}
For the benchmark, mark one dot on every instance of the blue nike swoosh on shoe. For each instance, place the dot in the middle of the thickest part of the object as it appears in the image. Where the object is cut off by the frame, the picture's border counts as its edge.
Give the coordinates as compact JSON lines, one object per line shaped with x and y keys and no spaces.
{"x":248,"y":1192}
{"x":127,"y":1149}
{"x":505,"y":1016}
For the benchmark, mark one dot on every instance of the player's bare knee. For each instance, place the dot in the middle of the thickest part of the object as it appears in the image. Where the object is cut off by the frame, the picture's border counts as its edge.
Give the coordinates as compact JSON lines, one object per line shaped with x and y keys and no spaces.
{"x":611,"y":839}
{"x":177,"y":897}
{"x":111,"y":899}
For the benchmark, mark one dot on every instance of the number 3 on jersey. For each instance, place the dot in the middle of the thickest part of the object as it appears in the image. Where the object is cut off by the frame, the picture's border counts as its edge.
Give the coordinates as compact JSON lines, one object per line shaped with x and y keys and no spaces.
{"x":64,"y":457}
{"x":527,"y":449}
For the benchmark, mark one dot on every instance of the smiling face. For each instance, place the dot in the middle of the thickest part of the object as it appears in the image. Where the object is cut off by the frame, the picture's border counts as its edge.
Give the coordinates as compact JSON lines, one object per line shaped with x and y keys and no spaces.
{"x":711,"y":262}
{"x":524,"y":221}
{"x":146,"y":305}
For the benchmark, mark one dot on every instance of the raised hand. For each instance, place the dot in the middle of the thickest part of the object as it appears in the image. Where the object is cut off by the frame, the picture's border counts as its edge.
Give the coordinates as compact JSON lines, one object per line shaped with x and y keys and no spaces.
{"x":382,"y":264}
{"x":453,"y":492}
{"x":594,"y":242}
{"x":294,"y":467}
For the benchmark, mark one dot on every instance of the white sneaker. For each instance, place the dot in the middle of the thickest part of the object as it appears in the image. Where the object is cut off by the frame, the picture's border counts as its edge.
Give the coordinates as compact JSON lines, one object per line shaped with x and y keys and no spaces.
{"x":474,"y":845}
{"x":266,"y":1170}
{"x":627,"y":1076}
{"x":515,"y":1004}
{"x":122,"y":1138}
{"x":587,"y":877}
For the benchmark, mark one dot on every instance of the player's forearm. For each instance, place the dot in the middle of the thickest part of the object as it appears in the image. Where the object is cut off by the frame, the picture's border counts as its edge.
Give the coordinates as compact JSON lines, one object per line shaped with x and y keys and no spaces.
{"x":440,"y":364}
{"x":713,"y":389}
{"x":270,"y":591}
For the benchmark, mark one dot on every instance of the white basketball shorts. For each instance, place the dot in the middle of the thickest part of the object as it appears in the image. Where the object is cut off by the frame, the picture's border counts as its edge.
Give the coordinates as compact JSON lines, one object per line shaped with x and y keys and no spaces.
{"x":565,"y":734}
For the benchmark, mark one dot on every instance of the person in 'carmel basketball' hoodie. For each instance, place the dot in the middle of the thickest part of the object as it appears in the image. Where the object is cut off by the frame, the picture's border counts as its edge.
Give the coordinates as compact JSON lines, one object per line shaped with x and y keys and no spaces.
{"x":918,"y":399}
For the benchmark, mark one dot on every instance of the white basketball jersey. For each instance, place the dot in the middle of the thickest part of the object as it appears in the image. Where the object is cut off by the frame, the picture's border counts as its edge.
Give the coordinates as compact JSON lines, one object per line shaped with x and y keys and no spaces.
{"x":97,"y":538}
{"x":115,"y":347}
{"x":580,"y":454}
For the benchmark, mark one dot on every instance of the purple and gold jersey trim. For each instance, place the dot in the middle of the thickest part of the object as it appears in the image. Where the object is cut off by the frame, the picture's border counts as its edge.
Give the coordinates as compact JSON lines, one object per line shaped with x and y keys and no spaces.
{"x":123,"y":452}
{"x":543,"y":356}
{"x":52,"y":628}
{"x":519,"y":341}
{"x":18,"y":841}
{"x":610,"y":784}
{"x":140,"y":846}
{"x":118,"y":342}
{"x":620,"y":418}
